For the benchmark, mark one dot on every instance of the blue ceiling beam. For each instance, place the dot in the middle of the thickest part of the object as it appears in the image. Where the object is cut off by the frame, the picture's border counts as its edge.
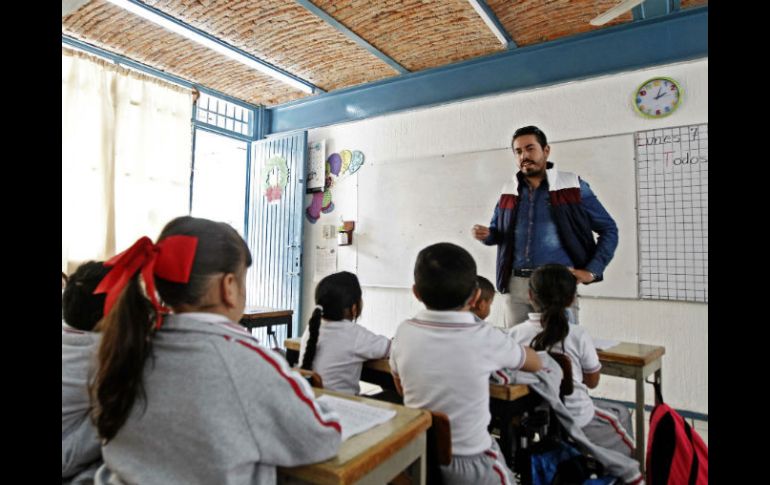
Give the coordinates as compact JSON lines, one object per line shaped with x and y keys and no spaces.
{"x":675,"y":37}
{"x":497,"y":28}
{"x":352,"y":35}
{"x":655,"y":8}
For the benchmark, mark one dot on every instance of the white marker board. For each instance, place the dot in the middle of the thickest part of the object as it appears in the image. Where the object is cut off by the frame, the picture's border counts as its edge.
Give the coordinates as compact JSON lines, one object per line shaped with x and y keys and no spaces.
{"x":405,"y":205}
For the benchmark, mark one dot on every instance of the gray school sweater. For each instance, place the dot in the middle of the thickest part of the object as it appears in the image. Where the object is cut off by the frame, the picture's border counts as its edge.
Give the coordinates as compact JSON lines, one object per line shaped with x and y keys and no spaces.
{"x":546,"y":382}
{"x":80,"y":447}
{"x":220,"y":409}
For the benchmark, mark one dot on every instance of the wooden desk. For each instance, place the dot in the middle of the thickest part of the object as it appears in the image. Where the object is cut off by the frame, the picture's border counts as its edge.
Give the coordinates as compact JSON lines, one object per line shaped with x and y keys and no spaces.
{"x":259,"y":316}
{"x":634,"y":361}
{"x":375,"y":456}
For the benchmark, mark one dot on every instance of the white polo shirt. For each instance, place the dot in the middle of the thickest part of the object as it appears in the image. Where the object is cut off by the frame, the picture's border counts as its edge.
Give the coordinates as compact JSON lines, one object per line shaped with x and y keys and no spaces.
{"x":341,"y":351}
{"x":581,"y":351}
{"x":444,"y":359}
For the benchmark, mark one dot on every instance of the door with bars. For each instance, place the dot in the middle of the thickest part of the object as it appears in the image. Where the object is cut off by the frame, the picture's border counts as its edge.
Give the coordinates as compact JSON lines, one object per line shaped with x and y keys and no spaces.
{"x":276,"y":196}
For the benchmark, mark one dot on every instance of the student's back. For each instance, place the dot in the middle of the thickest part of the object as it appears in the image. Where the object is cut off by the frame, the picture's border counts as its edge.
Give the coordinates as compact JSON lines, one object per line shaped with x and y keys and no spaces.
{"x":191,"y":397}
{"x":580,"y":349}
{"x":333,"y":345}
{"x":220,"y":409}
{"x":81,"y":311}
{"x":442,"y":358}
{"x":552,"y":289}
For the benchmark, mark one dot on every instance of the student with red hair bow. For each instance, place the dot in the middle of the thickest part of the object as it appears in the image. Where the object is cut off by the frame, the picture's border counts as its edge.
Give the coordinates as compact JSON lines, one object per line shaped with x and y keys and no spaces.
{"x":183,"y":394}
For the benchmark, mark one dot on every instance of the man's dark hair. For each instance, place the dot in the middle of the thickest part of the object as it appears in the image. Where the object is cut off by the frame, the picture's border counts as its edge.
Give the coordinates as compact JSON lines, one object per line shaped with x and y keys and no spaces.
{"x":531,"y":130}
{"x":445,"y":276}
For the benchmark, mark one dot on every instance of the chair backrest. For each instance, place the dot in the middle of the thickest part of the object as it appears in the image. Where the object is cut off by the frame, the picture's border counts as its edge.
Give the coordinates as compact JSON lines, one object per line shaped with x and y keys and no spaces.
{"x":566,"y":387}
{"x":439,"y":447}
{"x":312,"y":377}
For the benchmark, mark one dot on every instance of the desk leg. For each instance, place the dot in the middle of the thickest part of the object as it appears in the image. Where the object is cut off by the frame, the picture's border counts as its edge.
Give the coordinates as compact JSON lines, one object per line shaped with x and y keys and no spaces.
{"x":417,"y":470}
{"x":640,"y":419}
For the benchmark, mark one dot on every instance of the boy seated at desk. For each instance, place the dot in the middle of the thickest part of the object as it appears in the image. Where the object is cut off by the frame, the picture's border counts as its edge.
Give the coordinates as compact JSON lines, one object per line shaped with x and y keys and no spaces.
{"x":441,"y":360}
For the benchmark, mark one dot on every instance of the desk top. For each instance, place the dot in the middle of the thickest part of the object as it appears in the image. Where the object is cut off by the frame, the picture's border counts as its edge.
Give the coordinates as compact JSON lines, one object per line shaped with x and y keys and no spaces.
{"x":637,"y":355}
{"x":257,"y":312}
{"x":292,"y":344}
{"x":363,"y":452}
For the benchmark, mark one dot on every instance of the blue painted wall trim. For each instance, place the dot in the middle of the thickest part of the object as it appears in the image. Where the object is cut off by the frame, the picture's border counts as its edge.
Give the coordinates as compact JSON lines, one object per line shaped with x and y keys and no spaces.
{"x":352,"y":35}
{"x":675,"y":37}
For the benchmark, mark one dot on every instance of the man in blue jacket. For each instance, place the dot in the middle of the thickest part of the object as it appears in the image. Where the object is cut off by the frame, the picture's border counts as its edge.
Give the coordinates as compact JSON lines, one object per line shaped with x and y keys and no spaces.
{"x":545,"y":216}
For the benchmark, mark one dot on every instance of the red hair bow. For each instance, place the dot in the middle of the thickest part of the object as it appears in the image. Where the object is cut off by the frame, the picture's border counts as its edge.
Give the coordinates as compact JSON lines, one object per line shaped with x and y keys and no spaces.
{"x":170,"y":259}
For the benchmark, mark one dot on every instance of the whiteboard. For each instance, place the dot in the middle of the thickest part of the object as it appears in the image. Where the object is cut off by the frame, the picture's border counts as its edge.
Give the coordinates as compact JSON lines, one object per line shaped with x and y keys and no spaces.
{"x":672,"y":175}
{"x":406,"y":205}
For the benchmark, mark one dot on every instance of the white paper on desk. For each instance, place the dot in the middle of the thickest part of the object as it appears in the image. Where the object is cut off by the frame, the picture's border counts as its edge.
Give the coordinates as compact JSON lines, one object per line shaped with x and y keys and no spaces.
{"x":356,"y":417}
{"x":604,"y":344}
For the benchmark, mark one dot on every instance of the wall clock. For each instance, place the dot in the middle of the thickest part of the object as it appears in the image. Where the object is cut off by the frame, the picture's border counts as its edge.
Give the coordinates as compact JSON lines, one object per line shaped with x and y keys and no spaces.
{"x":657,"y":97}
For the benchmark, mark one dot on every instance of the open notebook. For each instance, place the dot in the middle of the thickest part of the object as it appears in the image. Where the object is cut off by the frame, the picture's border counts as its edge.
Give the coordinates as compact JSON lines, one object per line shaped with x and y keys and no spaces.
{"x":356,"y":417}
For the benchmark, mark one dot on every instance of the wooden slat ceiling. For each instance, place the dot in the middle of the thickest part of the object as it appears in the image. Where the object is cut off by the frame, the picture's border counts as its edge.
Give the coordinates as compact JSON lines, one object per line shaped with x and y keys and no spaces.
{"x":417,"y":34}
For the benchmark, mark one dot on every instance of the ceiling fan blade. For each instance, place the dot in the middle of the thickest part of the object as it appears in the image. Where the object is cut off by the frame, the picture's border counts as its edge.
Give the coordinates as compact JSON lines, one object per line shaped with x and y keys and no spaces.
{"x":618,"y":9}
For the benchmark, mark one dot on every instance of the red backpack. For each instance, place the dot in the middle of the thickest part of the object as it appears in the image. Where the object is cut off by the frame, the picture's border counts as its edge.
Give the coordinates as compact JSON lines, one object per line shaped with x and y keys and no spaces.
{"x":675,"y":453}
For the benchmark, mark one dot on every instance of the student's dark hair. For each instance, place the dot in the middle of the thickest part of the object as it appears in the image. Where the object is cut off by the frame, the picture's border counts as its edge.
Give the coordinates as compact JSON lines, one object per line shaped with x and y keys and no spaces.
{"x":82,"y":309}
{"x":128,"y":328}
{"x":531,"y":130}
{"x":336,"y":294}
{"x":487,"y":288}
{"x":553,"y":289}
{"x":445,"y":276}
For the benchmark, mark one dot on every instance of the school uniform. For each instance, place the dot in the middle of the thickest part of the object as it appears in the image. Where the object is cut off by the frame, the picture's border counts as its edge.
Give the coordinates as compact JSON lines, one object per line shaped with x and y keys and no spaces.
{"x":444,"y":359}
{"x":80,"y":446}
{"x":341,"y":351}
{"x":604,"y":427}
{"x":220,"y":409}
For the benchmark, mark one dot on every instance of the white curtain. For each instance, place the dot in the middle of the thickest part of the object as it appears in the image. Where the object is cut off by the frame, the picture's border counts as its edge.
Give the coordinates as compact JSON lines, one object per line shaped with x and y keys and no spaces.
{"x":126,"y":157}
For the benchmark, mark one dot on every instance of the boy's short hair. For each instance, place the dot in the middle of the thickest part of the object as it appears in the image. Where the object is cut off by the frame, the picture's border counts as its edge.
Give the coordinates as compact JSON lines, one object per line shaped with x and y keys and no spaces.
{"x":445,"y":276}
{"x":82,"y":309}
{"x":487,"y":288}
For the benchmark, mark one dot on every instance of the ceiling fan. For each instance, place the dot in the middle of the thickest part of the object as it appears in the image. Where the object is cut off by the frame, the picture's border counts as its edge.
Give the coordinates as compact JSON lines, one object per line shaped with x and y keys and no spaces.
{"x":621,"y":8}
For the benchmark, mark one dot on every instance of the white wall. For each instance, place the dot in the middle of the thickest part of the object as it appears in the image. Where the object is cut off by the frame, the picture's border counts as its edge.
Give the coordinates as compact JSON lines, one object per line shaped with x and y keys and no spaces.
{"x":581,"y":109}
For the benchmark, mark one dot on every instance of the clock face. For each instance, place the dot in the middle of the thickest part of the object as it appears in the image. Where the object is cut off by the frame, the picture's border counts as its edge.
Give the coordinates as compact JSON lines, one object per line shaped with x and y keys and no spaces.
{"x":657,"y":97}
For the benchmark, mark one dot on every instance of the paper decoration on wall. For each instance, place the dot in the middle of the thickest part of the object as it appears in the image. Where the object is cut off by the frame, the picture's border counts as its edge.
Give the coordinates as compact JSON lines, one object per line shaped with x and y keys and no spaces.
{"x":275,"y":173}
{"x":322,"y":201}
{"x":345,"y":155}
{"x":315,"y":169}
{"x":337,"y":165}
{"x":356,"y":161}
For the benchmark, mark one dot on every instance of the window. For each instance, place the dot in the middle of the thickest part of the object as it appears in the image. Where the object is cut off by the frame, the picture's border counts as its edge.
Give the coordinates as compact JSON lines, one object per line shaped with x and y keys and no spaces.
{"x":219,"y":179}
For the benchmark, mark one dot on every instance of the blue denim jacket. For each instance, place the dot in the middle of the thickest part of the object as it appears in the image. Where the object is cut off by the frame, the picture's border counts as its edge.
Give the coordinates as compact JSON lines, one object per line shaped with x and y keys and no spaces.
{"x":537,"y":240}
{"x":527,"y":231}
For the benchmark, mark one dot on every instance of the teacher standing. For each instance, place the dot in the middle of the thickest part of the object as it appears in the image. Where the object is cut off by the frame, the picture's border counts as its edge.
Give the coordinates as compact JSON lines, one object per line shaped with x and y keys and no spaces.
{"x":545,"y":216}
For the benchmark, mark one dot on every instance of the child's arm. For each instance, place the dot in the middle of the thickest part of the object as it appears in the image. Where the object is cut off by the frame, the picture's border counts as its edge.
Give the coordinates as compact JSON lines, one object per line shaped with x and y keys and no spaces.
{"x":532,"y":362}
{"x":288,"y":425}
{"x":369,"y":345}
{"x":591,"y":379}
{"x":397,"y":382}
